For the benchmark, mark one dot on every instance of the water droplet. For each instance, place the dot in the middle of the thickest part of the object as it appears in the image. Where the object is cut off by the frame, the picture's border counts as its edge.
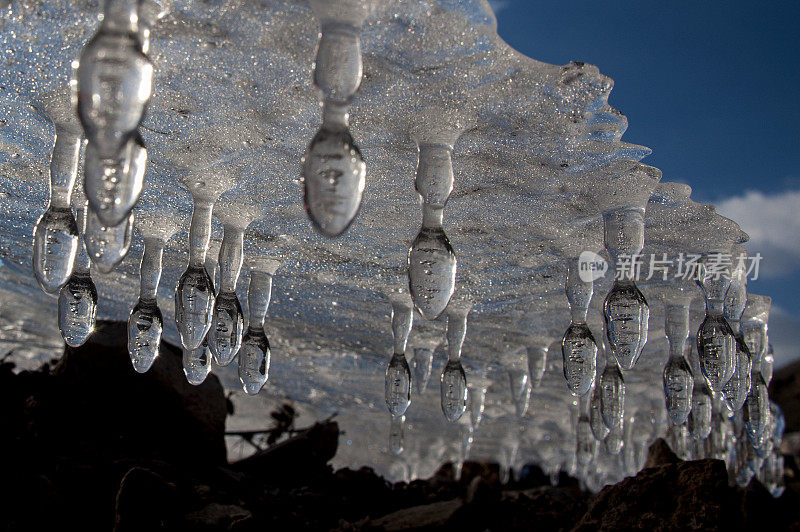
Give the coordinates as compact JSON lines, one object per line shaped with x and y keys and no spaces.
{"x":678,"y":387}
{"x":333,"y":181}
{"x":402,"y":321}
{"x":626,"y":314}
{"x":477,"y":403}
{"x":114,"y":83}
{"x":113,"y":186}
{"x":396,"y":437}
{"x":537,"y":365}
{"x":55,"y":245}
{"x":398,"y":385}
{"x":754,"y":333}
{"x":254,"y":360}
{"x":194,"y":301}
{"x":612,"y":395}
{"x":755,"y":412}
{"x":197,"y":363}
{"x":423,"y":366}
{"x":107,"y":246}
{"x":227,"y":327}
{"x":579,"y":352}
{"x":454,"y":390}
{"x":699,"y":420}
{"x":145,"y":326}
{"x":767,"y":364}
{"x":742,"y":472}
{"x":338,"y":64}
{"x":716,"y":348}
{"x":586,"y":444}
{"x":431,"y":271}
{"x":599,"y":427}
{"x":520,"y":387}
{"x":680,"y":441}
{"x":736,"y":389}
{"x":614,"y":442}
{"x":77,"y":309}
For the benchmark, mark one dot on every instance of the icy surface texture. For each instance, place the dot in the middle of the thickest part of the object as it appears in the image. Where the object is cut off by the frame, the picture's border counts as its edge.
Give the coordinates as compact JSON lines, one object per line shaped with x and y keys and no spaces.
{"x":498,"y":165}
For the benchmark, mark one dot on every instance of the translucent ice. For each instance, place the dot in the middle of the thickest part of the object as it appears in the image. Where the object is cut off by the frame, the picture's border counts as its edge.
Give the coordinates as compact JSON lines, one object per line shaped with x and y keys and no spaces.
{"x":107,"y":246}
{"x":625,"y":308}
{"x":627,"y":316}
{"x":767,"y":364}
{"x":333,"y":168}
{"x":454,"y":390}
{"x":612,"y":395}
{"x":423,"y":365}
{"x":145,"y":323}
{"x":431,"y":259}
{"x":520,"y":386}
{"x":755,"y":412}
{"x":598,"y":425}
{"x":716,"y":347}
{"x":398,"y":372}
{"x":586,"y":445}
{"x":678,"y":381}
{"x":398,"y":385}
{"x":254,"y":356}
{"x":113,"y":186}
{"x":194,"y":301}
{"x":55,"y":238}
{"x":614,"y":441}
{"x":396,"y":434}
{"x":227,"y":319}
{"x":579,"y":352}
{"x":537,"y":364}
{"x":454,"y":380}
{"x":737,"y":388}
{"x":55,"y":244}
{"x":333,"y":178}
{"x":678,"y":385}
{"x":77,"y":300}
{"x":699,"y":420}
{"x":197,"y":363}
{"x":114,"y":80}
{"x":145,"y":326}
{"x":578,"y":346}
{"x":431,"y":271}
{"x":227,"y":328}
{"x":477,"y":404}
{"x":716,"y":344}
{"x":195,"y":294}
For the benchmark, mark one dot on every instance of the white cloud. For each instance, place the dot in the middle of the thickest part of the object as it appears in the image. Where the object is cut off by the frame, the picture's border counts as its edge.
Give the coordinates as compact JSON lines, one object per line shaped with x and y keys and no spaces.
{"x":773,"y":223}
{"x":499,"y":5}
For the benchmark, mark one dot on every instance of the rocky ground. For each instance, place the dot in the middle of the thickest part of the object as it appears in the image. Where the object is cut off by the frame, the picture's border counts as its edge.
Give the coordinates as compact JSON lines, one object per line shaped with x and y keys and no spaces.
{"x":91,"y":445}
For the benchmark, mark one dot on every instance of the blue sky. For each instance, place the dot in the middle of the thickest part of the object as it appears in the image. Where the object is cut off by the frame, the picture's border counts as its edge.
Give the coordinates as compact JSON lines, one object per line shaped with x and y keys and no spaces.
{"x":712,"y":87}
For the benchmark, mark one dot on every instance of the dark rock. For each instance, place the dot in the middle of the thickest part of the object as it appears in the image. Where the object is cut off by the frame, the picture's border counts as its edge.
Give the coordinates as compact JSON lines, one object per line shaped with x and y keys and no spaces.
{"x":158,"y":412}
{"x":216,"y":517}
{"x":673,"y":496}
{"x":425,"y":517}
{"x":295,"y":459}
{"x":550,"y":508}
{"x":145,"y":501}
{"x":660,"y":454}
{"x":86,"y":423}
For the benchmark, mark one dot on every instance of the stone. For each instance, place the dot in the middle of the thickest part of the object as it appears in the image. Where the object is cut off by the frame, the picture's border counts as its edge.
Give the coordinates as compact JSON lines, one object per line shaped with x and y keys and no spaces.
{"x":660,"y":454}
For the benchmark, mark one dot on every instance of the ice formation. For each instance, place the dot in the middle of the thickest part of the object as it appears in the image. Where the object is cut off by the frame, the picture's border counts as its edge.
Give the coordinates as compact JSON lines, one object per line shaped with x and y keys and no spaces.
{"x":479,"y":176}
